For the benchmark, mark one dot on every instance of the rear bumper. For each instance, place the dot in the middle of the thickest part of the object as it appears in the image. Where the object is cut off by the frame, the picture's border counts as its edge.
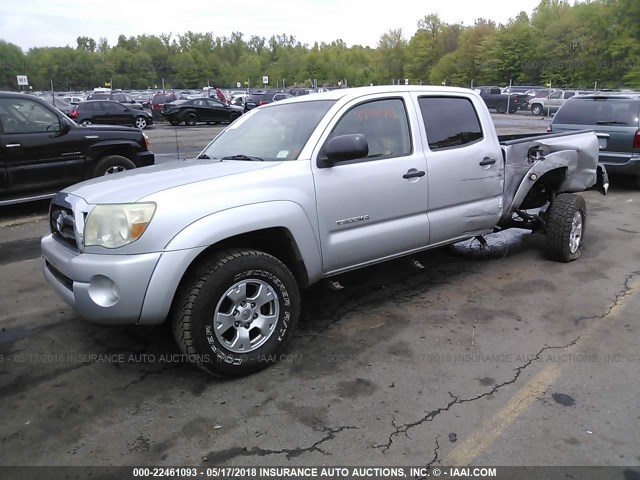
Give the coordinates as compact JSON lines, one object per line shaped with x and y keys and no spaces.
{"x":629,"y":167}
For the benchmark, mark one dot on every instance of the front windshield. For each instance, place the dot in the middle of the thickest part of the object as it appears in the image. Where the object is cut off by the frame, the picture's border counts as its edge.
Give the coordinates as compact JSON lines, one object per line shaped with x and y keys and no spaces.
{"x":276,"y":132}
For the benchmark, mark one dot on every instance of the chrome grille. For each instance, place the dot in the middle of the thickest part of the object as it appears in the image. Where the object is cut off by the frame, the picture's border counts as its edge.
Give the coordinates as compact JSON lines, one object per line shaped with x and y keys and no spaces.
{"x":62,"y":225}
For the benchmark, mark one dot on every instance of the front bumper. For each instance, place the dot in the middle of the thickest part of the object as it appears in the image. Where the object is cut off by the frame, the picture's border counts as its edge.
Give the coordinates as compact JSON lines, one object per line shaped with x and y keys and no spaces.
{"x":101,"y":288}
{"x":144,"y":159}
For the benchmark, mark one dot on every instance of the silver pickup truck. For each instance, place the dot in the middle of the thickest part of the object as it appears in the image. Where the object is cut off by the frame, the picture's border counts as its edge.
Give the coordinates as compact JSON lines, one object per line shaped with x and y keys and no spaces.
{"x":297,"y":191}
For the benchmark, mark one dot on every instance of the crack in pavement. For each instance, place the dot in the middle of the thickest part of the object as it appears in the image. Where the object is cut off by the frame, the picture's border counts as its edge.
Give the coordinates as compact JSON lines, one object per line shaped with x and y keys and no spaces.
{"x":435,"y":454}
{"x":456,"y":400}
{"x":146,"y":373}
{"x":226,"y":455}
{"x":626,"y":291}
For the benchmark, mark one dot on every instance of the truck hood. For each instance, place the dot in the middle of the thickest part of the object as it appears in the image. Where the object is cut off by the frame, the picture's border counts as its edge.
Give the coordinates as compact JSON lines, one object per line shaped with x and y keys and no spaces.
{"x":132,"y":185}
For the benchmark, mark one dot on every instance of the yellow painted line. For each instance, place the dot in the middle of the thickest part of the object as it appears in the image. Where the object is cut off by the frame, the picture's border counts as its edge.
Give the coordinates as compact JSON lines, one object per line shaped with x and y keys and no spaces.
{"x":479,"y":441}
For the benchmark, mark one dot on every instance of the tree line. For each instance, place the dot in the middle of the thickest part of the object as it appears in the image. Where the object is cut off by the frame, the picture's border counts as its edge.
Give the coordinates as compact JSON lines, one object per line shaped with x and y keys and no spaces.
{"x":581,"y":45}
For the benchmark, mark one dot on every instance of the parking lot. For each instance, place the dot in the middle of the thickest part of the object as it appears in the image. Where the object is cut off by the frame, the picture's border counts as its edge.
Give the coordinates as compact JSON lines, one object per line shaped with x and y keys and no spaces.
{"x":456,"y":356}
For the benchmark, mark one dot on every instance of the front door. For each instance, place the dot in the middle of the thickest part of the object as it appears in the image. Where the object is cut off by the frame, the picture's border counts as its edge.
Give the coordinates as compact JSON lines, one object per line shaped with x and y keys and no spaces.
{"x":375,"y":207}
{"x":36,"y":154}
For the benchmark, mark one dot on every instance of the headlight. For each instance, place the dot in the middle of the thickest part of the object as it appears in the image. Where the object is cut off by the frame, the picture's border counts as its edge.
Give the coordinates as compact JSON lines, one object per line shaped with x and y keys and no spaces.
{"x":113,"y":226}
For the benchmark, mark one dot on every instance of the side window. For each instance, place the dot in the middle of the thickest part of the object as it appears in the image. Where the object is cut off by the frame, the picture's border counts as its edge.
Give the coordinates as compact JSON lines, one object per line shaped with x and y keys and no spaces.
{"x":555,"y":95}
{"x":449,"y":121}
{"x":569,"y":94}
{"x":25,"y":116}
{"x":384,"y":124}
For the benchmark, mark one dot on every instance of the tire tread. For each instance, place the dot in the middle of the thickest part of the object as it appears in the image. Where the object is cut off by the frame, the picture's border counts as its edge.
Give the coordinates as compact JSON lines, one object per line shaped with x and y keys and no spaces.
{"x":182,"y":310}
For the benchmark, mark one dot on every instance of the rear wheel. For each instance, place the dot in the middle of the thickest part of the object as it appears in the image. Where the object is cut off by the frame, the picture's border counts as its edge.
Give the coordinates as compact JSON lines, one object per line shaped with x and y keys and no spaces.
{"x":501,"y":107}
{"x":191,"y":119}
{"x":112,"y":164}
{"x":566,"y":221}
{"x":536,"y":109}
{"x":84,"y":123}
{"x":236,"y":313}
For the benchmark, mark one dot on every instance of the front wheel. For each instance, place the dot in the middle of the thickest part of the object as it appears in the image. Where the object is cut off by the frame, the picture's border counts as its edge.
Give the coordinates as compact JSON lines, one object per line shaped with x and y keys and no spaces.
{"x":191,"y":119}
{"x":536,"y":109}
{"x":84,"y":123}
{"x":234,"y":314}
{"x":140,"y":123}
{"x":501,"y":107}
{"x":233,"y":117}
{"x":566,"y":221}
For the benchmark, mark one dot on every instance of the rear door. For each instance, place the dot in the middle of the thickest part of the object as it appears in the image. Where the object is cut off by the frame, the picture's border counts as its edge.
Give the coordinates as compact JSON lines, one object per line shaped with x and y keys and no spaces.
{"x":375,"y":207}
{"x":36,"y":154}
{"x":465,"y":166}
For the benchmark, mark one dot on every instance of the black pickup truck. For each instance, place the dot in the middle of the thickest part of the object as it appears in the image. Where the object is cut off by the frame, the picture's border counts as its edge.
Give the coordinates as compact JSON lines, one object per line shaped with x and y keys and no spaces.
{"x":42,"y":151}
{"x":501,"y":101}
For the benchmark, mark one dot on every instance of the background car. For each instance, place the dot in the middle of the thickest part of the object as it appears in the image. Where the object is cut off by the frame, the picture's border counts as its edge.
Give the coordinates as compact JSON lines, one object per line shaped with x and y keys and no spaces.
{"x":123,"y":98}
{"x":157,"y":104}
{"x":200,"y":110}
{"x":261,"y":97}
{"x":110,"y":113}
{"x":61,"y":103}
{"x":551,"y":104}
{"x":614,"y":118}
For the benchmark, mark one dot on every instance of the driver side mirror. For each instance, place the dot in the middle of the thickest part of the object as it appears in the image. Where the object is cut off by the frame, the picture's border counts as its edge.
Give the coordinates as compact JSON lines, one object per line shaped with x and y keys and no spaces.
{"x":343,"y":148}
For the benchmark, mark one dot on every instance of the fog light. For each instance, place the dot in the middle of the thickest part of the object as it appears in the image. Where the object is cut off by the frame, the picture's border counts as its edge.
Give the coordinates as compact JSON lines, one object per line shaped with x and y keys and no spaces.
{"x":533,"y":177}
{"x":103,"y":291}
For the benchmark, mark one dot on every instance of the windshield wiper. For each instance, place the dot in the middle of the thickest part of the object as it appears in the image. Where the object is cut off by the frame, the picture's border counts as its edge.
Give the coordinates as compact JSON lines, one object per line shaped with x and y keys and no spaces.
{"x":203,"y":156}
{"x":611,"y":122}
{"x":243,"y":157}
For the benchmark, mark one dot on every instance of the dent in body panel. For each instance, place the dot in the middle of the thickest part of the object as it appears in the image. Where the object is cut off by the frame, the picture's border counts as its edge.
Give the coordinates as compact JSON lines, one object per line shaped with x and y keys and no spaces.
{"x":578,"y":153}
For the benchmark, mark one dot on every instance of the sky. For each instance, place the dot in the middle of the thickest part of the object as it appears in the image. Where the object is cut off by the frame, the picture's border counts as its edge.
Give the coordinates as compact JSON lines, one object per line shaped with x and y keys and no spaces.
{"x":43,"y":23}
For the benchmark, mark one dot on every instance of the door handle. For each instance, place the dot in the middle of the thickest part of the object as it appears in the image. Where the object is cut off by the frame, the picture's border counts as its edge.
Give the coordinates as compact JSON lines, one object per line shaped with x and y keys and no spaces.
{"x":413,"y":173}
{"x":487,"y":161}
{"x":12,"y":145}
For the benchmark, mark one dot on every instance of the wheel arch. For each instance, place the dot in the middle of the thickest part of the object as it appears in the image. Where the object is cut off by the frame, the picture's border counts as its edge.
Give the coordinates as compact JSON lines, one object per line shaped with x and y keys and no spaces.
{"x":291,"y":240}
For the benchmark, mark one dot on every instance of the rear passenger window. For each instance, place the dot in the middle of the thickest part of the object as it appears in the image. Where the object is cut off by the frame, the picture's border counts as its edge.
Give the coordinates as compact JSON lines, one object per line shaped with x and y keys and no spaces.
{"x":598,"y":111}
{"x":449,"y":122}
{"x":384,"y":124}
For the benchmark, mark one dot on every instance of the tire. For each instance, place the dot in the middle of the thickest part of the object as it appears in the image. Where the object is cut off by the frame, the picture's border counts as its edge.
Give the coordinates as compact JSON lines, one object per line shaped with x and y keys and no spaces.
{"x":112,"y":164}
{"x":536,"y":109}
{"x":566,"y":221}
{"x":191,"y":119}
{"x":140,"y":123}
{"x":501,"y":107}
{"x":84,"y":123}
{"x":513,"y":110}
{"x":207,"y":294}
{"x":174,"y":122}
{"x":233,"y":117}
